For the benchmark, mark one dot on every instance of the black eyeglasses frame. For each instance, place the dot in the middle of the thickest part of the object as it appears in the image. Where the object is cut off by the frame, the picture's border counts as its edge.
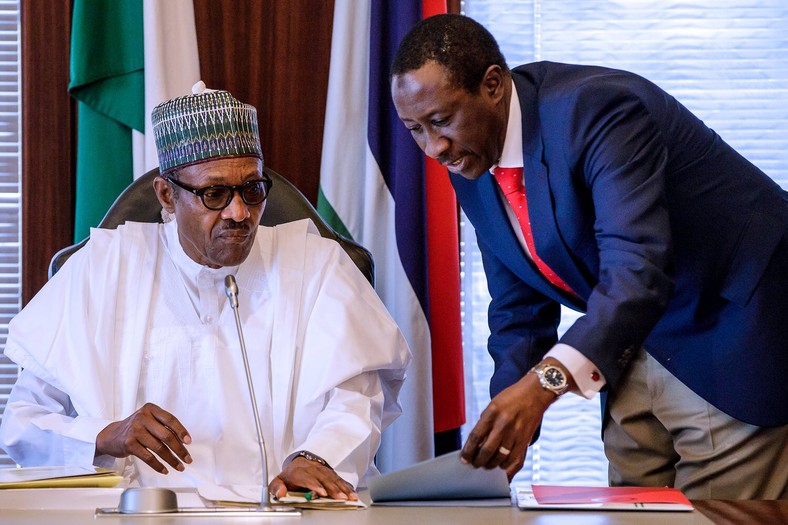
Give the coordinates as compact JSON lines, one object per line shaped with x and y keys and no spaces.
{"x":200,"y":192}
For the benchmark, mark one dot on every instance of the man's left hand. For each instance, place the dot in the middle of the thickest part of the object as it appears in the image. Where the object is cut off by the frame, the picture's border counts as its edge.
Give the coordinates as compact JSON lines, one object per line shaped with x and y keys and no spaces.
{"x":303,"y":474}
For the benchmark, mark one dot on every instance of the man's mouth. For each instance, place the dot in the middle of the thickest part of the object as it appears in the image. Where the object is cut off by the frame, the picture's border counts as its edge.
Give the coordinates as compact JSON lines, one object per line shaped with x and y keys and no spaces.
{"x":456,"y":165}
{"x":235,"y":233}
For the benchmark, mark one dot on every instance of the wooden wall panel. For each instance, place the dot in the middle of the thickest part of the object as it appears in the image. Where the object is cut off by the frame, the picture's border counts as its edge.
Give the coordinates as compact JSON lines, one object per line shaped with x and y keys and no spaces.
{"x":48,"y":119}
{"x":273,"y":54}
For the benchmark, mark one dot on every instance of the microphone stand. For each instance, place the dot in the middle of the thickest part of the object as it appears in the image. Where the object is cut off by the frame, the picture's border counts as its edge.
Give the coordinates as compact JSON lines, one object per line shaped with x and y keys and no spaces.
{"x":160,"y":501}
{"x":231,"y":289}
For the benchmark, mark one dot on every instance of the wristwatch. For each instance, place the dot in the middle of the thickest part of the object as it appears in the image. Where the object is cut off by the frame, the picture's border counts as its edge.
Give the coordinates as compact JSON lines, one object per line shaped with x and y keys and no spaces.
{"x":551,"y":377}
{"x":311,"y":457}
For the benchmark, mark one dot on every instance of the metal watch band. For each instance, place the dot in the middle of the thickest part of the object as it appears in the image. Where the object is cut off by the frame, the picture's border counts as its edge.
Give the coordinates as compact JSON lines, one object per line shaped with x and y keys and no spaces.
{"x":312,"y":457}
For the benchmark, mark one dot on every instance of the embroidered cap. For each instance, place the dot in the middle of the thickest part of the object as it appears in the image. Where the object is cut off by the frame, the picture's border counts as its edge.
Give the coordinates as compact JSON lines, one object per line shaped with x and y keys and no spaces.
{"x":205,"y":125}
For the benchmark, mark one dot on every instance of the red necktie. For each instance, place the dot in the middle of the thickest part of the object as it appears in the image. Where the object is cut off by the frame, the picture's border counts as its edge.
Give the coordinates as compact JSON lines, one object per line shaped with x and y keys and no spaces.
{"x":511,"y":182}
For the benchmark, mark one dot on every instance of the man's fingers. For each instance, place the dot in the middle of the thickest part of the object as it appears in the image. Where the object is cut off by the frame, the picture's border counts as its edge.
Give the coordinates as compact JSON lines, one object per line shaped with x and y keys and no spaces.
{"x":155,"y":445}
{"x":163,"y":434}
{"x":311,"y":483}
{"x":170,"y":440}
{"x":468,"y":452}
{"x":171,"y":423}
{"x":484,"y":441}
{"x":142,"y":452}
{"x":338,"y":488}
{"x":483,"y":455}
{"x":475,"y":439}
{"x":513,"y":468}
{"x":277,"y":488}
{"x":515,"y":460}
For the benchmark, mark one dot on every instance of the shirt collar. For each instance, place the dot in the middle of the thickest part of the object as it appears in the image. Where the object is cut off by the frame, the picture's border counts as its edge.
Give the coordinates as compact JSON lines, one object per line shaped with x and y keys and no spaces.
{"x":512,"y":152}
{"x":190,"y":268}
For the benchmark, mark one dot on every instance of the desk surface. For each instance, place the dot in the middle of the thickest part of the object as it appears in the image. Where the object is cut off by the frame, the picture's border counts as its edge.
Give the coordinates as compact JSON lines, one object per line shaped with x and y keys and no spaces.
{"x":706,"y":512}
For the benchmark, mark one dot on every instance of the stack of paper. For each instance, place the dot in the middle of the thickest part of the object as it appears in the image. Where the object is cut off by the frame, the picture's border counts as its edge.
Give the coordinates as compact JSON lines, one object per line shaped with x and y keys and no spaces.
{"x":249,"y":495}
{"x":57,"y":477}
{"x":301,"y":501}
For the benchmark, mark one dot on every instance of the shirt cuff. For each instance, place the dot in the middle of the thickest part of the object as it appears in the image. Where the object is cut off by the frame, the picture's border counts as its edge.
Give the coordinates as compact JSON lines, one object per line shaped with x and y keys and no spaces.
{"x":80,"y":447}
{"x":588,"y":378}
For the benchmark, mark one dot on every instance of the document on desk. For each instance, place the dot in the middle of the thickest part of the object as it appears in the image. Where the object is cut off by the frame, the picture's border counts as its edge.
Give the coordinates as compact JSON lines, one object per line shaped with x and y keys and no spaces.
{"x":68,"y":498}
{"x":443,"y":481}
{"x":57,"y":477}
{"x":541,"y":497}
{"x":249,"y":495}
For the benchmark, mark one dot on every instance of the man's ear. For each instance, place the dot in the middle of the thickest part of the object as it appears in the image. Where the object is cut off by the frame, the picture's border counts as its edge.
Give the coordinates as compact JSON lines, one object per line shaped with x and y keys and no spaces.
{"x":493,"y":83}
{"x":165,"y":194}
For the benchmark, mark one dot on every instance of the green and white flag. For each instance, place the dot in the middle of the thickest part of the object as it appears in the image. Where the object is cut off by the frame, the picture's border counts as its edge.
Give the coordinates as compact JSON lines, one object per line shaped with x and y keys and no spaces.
{"x":126,"y":57}
{"x":107,"y":79}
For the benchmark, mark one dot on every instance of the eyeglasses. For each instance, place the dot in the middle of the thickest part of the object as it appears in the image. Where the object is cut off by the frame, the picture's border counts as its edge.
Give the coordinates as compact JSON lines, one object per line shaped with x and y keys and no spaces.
{"x":219,"y":197}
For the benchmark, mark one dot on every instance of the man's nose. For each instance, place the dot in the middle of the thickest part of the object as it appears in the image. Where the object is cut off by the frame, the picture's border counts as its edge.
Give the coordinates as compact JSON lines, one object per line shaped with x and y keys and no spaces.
{"x":435,"y":145}
{"x":237,"y":210}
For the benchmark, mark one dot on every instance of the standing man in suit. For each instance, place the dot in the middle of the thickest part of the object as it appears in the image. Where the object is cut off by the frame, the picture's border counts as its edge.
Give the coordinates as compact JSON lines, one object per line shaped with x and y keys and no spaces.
{"x":594,"y":189}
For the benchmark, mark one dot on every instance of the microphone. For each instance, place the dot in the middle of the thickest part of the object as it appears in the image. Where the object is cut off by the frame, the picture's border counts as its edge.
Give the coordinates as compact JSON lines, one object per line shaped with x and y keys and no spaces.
{"x":231,"y":289}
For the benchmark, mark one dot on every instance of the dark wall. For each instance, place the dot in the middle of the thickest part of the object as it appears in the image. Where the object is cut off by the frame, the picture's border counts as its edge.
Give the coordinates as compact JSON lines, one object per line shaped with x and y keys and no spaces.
{"x":273,"y":54}
{"x":48,"y":118}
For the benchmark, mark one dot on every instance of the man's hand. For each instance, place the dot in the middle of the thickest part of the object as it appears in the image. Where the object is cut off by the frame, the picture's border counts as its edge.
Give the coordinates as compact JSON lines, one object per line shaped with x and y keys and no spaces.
{"x":149,"y":429}
{"x":301,"y":474}
{"x":508,"y":423}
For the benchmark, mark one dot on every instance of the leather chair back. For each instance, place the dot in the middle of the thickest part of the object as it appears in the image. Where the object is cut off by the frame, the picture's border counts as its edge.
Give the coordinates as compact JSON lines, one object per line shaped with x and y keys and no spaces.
{"x":285,"y":203}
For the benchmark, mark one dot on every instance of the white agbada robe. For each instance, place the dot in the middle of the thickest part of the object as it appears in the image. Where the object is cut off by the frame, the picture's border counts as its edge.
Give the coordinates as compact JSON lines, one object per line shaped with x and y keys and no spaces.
{"x":132,"y":319}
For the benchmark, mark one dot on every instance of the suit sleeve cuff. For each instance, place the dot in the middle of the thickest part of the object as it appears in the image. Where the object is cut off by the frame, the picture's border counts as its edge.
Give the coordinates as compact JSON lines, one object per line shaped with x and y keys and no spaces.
{"x":588,"y":378}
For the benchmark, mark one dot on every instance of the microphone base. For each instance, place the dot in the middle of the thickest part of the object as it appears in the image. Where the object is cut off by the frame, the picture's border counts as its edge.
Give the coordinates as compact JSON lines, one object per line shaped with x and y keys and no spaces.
{"x":236,"y":512}
{"x":160,"y":501}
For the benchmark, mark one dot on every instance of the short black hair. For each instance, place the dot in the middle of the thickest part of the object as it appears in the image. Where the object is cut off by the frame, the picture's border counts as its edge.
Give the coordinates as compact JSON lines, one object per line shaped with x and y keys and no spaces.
{"x":458,"y":43}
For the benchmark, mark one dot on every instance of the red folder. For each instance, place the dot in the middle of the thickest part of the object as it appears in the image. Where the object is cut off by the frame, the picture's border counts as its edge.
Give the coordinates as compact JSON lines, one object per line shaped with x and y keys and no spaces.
{"x":555,"y":494}
{"x":550,"y":497}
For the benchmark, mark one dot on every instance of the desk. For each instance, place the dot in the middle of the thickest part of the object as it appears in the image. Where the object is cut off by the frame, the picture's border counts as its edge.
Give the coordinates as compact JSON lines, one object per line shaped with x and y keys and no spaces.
{"x":708,"y":512}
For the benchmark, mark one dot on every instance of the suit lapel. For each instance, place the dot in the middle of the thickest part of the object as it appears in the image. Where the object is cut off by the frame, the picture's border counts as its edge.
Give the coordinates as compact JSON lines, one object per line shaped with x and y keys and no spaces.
{"x":546,"y":233}
{"x":548,"y":238}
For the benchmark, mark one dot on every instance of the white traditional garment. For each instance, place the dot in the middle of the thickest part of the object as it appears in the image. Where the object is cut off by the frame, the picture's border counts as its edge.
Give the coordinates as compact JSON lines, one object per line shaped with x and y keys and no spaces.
{"x":132,"y":319}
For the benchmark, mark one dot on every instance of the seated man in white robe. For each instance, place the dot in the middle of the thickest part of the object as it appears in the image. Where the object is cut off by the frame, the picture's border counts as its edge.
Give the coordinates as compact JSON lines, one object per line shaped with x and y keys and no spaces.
{"x":131,"y":359}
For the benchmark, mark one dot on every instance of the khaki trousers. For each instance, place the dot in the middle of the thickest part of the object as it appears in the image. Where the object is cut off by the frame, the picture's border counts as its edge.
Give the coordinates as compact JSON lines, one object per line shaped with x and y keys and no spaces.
{"x":660,"y":433}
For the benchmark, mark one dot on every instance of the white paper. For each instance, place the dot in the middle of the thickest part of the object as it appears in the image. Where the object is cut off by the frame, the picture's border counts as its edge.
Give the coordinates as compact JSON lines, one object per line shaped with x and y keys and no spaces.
{"x":232,"y":494}
{"x":64,"y":498}
{"x":21,"y":475}
{"x":444,"y":478}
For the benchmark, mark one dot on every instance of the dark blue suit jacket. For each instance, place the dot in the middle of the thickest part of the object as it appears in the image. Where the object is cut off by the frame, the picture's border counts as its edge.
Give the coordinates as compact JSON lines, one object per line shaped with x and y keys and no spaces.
{"x":672,"y":240}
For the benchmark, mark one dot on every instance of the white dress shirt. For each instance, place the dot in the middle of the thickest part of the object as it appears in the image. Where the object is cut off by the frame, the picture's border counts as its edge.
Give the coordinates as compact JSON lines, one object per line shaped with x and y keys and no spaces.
{"x":582,"y":369}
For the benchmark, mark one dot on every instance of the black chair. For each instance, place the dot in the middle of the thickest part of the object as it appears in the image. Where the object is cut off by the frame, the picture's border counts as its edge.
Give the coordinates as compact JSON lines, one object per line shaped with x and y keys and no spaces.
{"x":285,"y":203}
